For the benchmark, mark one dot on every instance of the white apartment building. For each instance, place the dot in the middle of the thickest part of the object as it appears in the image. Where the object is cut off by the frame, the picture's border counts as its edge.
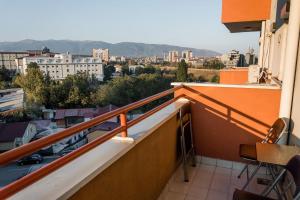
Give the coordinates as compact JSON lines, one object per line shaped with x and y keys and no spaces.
{"x":103,"y":54}
{"x":62,"y":65}
{"x":233,"y":59}
{"x":117,"y":59}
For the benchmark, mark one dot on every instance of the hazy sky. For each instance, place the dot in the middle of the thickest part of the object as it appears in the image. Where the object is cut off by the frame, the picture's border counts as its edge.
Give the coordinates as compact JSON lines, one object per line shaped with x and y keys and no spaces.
{"x":191,"y":23}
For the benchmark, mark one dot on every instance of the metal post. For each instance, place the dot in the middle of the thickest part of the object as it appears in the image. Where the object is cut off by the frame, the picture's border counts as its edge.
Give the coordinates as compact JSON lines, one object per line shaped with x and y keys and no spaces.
{"x":252,"y":176}
{"x":123,"y":120}
{"x":268,"y":190}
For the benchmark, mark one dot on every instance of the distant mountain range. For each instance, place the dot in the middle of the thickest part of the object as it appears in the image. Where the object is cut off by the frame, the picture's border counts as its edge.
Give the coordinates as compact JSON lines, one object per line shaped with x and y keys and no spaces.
{"x":129,"y":49}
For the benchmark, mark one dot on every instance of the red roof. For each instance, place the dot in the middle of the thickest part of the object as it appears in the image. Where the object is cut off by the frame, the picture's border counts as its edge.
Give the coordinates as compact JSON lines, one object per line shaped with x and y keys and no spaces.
{"x":106,"y":126}
{"x":83,"y":112}
{"x":10,"y":131}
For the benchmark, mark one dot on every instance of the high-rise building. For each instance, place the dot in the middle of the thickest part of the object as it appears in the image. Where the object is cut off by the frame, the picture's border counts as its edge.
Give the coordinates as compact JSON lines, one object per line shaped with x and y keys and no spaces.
{"x":250,"y":57}
{"x":187,"y":55}
{"x":173,"y":56}
{"x":103,"y":54}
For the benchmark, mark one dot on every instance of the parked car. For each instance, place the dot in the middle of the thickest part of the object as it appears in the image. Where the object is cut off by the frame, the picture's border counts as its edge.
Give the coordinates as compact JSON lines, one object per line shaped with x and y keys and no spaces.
{"x":32,"y":159}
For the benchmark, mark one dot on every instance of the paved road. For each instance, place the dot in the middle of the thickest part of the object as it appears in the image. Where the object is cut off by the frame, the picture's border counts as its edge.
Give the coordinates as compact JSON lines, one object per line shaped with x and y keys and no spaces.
{"x":12,"y":172}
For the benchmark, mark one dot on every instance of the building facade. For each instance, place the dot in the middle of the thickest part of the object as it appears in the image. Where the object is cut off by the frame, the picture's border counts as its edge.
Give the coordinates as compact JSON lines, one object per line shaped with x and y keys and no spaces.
{"x":62,"y":65}
{"x":103,"y":54}
{"x":11,"y":60}
{"x":187,"y":55}
{"x":7,"y":59}
{"x":233,"y":59}
{"x":173,"y":56}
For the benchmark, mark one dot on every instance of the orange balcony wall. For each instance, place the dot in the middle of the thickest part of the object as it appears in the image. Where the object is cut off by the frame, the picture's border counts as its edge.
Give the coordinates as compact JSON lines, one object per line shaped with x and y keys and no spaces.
{"x":245,"y":15}
{"x":234,"y":76}
{"x":225,"y":116}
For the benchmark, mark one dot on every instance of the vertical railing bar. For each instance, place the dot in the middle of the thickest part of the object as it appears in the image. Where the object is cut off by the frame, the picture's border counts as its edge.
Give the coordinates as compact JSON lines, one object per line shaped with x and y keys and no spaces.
{"x":123,"y":121}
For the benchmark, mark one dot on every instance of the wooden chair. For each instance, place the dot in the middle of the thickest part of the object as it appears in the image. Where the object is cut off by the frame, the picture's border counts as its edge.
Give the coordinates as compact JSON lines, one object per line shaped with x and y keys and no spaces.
{"x":248,"y":151}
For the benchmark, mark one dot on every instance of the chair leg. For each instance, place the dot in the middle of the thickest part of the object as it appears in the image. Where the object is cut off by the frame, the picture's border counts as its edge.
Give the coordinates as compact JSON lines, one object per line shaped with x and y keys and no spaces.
{"x":252,"y":176}
{"x":245,"y":168}
{"x":273,"y":185}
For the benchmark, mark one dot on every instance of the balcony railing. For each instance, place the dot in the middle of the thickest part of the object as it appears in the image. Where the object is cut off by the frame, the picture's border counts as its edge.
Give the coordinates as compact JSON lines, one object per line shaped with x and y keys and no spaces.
{"x":34,"y":146}
{"x":229,"y":114}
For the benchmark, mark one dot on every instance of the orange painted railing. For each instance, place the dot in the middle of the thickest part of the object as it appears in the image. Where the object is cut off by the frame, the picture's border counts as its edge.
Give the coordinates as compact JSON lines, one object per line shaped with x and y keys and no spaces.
{"x":34,"y":146}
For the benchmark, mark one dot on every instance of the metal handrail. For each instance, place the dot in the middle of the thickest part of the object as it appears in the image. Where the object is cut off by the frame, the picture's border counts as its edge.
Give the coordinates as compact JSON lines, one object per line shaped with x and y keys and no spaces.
{"x":34,"y":146}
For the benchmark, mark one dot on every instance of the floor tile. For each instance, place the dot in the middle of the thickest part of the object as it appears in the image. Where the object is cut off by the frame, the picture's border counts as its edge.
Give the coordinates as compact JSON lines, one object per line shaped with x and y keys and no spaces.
{"x":238,"y":182}
{"x":222,"y":170}
{"x":208,"y":161}
{"x":188,"y":197}
{"x":208,"y":182}
{"x":174,"y":196}
{"x":202,"y":181}
{"x":199,"y":193}
{"x":216,"y":195}
{"x":205,"y":169}
{"x":221,"y":182}
{"x":224,"y":163}
{"x":179,"y":187}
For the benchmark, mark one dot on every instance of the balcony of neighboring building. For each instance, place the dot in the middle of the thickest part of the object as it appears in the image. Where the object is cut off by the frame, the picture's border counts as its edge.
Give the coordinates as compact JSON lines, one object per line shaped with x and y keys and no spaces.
{"x":246,"y":15}
{"x":146,"y":163}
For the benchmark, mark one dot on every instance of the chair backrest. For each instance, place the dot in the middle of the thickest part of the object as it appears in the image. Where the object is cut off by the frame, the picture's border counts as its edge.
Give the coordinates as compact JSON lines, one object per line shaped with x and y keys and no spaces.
{"x":276,"y":131}
{"x":293,"y":167}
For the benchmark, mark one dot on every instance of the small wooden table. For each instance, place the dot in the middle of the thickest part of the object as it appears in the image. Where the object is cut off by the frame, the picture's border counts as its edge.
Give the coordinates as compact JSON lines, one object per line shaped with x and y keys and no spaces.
{"x":275,"y":154}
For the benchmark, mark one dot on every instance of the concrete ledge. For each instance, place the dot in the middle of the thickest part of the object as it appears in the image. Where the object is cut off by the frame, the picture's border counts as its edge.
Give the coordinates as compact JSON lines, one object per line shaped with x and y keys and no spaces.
{"x":253,"y":86}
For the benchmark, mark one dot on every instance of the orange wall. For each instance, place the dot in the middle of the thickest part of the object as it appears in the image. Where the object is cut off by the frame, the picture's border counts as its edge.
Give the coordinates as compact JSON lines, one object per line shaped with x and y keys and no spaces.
{"x":140,"y":174}
{"x":235,"y":76}
{"x":225,"y":117}
{"x":245,"y":10}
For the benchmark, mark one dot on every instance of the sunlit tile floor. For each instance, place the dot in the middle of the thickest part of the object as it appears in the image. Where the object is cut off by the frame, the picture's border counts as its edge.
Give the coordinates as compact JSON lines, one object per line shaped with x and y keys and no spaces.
{"x":207,"y":183}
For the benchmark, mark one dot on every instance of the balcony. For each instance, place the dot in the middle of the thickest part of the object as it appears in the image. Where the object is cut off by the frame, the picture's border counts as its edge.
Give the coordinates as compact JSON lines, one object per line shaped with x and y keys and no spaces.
{"x":141,"y":159}
{"x":246,"y":15}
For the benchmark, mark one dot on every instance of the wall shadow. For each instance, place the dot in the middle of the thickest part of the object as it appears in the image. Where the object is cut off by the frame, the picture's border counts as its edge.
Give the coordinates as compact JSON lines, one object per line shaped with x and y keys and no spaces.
{"x":219,"y":128}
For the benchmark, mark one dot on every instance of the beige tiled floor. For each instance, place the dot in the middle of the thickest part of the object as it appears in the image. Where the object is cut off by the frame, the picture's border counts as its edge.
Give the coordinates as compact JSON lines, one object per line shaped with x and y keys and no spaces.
{"x":206,"y":183}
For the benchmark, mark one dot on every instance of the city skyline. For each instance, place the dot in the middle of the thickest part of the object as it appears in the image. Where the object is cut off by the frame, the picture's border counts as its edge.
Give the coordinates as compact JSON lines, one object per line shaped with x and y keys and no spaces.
{"x":126,"y":21}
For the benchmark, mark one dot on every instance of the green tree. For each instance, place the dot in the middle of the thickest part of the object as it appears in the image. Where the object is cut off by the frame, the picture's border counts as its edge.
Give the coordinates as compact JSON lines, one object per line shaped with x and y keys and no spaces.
{"x":215,"y":79}
{"x":182,"y":71}
{"x":34,"y":85}
{"x":125,"y":70}
{"x":73,"y":91}
{"x":108,"y":72}
{"x":5,"y":78}
{"x":213,"y":64}
{"x":139,"y":71}
{"x":124,"y":90}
